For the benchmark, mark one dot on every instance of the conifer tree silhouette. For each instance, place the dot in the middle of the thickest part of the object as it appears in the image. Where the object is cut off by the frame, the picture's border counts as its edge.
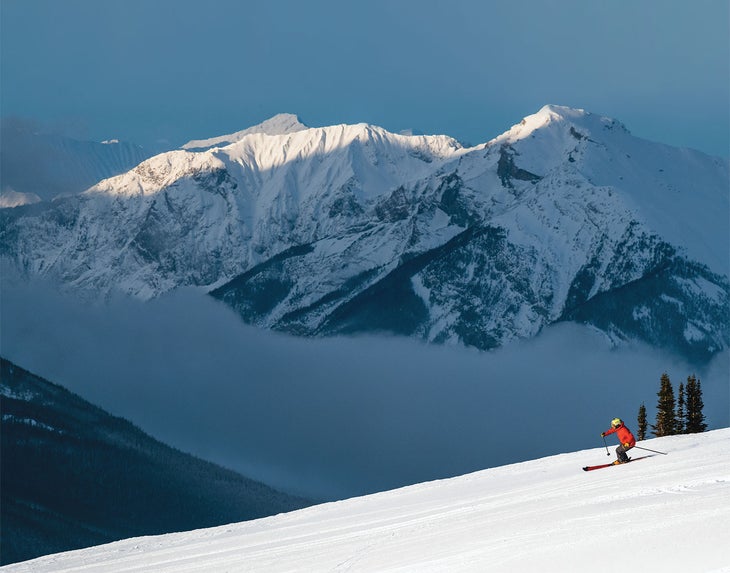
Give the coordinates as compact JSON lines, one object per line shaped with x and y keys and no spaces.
{"x":665,"y":419}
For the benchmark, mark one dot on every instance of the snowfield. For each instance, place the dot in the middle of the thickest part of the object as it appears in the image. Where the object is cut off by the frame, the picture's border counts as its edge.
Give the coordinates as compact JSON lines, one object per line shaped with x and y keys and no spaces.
{"x":664,"y":513}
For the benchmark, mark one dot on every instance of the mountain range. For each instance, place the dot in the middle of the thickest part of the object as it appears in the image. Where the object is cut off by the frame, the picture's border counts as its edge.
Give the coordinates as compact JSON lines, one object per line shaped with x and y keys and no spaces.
{"x":352,"y":229}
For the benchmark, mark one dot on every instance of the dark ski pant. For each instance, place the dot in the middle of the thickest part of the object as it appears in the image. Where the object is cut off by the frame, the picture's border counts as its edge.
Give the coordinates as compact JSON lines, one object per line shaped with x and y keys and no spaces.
{"x":621,"y":454}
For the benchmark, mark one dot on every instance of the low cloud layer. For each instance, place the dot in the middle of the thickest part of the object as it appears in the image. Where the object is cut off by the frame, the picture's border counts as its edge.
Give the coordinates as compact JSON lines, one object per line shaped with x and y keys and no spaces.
{"x":335,"y":417}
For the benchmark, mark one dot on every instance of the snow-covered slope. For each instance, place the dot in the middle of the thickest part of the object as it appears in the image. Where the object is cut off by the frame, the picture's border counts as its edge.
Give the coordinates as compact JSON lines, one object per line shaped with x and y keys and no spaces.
{"x":664,"y":513}
{"x":198,"y":218}
{"x":659,"y":184}
{"x":351,"y":228}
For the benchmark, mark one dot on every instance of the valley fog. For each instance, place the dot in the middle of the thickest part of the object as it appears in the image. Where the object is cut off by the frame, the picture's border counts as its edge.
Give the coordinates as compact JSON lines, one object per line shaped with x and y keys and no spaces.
{"x":333,"y":418}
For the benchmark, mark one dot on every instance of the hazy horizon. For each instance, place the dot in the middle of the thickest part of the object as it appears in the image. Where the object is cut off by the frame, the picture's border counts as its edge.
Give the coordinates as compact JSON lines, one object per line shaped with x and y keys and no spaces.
{"x":159,"y":74}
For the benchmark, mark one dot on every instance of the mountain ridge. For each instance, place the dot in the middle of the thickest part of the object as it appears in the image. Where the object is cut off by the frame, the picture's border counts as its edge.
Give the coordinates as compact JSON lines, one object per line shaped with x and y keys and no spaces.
{"x":74,"y":476}
{"x":567,"y":204}
{"x":280,"y":124}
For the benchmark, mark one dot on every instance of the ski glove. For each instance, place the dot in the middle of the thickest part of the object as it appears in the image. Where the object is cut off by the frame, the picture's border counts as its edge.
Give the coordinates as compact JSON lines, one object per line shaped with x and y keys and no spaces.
{"x":627,"y":445}
{"x":603,"y":434}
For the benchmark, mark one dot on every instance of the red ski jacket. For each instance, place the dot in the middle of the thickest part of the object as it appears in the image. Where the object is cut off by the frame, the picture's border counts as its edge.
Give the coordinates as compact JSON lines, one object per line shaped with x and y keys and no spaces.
{"x":624,"y":435}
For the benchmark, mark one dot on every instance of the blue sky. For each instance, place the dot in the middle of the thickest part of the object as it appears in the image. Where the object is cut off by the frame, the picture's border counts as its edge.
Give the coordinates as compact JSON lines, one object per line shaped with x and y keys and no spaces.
{"x":172,"y":70}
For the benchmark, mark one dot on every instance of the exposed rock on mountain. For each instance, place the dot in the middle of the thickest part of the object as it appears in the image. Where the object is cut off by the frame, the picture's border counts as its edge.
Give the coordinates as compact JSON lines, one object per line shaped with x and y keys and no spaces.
{"x":345,"y":229}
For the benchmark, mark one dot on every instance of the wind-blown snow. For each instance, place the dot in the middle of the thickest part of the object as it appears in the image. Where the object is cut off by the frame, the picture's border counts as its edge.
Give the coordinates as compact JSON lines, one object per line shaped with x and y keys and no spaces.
{"x":665,"y":513}
{"x":10,"y":198}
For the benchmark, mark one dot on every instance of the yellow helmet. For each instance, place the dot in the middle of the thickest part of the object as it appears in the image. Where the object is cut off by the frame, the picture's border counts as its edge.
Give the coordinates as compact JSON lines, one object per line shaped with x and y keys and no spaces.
{"x":616,"y":422}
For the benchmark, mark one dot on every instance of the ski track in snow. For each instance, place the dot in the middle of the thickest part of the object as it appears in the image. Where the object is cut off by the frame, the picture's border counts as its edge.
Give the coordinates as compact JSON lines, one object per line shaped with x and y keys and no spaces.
{"x":668,"y":513}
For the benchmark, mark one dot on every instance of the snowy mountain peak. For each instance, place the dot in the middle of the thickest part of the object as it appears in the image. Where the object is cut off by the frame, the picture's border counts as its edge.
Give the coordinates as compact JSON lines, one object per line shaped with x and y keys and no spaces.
{"x":280,"y":124}
{"x":578,"y":122}
{"x":557,"y":219}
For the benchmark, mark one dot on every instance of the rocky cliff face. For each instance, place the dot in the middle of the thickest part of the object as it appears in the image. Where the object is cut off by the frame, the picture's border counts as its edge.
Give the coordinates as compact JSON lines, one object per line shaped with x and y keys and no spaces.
{"x":353,"y":229}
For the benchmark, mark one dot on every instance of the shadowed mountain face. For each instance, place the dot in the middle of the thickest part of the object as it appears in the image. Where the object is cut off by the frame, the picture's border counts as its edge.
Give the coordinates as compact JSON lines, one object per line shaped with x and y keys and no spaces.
{"x":74,"y":476}
{"x":349,"y":229}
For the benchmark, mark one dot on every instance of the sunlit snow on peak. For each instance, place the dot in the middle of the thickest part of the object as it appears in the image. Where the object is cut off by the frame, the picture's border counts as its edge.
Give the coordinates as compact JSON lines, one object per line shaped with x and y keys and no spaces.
{"x":559,"y":116}
{"x":280,"y":124}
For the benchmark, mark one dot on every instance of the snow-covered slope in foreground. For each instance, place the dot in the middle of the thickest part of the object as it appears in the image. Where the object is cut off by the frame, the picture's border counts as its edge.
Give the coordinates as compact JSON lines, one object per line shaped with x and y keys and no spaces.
{"x":665,"y":513}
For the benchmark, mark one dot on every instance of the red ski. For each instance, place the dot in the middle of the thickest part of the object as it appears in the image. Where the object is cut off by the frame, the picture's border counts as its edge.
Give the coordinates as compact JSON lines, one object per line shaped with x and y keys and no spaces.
{"x":590,"y":468}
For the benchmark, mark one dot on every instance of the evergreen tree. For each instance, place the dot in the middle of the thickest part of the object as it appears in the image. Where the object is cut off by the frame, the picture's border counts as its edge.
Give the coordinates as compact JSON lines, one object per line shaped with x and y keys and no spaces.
{"x":641,"y":434}
{"x":665,"y":420}
{"x":681,"y":412}
{"x":695,"y":416}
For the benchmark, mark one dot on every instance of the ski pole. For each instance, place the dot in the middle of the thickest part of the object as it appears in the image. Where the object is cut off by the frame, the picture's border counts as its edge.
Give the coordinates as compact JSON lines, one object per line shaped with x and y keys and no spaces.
{"x":648,"y":450}
{"x":605,"y":444}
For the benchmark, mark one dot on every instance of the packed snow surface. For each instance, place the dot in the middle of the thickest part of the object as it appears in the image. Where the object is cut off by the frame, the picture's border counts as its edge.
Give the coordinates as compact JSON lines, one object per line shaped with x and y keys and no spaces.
{"x":663,"y":513}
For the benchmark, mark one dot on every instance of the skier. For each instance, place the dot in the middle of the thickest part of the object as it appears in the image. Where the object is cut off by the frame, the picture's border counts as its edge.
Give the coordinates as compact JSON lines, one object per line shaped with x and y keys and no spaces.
{"x":624,"y":436}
